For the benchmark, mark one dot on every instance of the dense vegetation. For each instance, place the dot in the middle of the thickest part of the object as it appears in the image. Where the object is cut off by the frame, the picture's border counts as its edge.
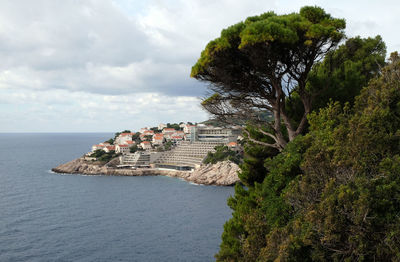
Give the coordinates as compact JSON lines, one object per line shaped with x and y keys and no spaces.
{"x":134,"y":148}
{"x":332,"y":193}
{"x":257,"y":65}
{"x":222,"y":153}
{"x":174,"y":126}
{"x":103,"y":156}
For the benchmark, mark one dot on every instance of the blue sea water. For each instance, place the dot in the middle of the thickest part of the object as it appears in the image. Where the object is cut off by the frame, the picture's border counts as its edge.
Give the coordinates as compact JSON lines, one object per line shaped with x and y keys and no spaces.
{"x":53,"y":217}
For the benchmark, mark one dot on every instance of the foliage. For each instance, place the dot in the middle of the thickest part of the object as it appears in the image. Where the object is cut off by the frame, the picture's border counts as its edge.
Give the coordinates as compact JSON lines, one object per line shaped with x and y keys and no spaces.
{"x":155,"y":130}
{"x":174,"y":126}
{"x":134,"y":148}
{"x":111,"y":141}
{"x":165,"y":147}
{"x":103,"y":156}
{"x":98,"y":153}
{"x":136,"y":137}
{"x":254,"y":66}
{"x":148,"y":137}
{"x":252,"y":168}
{"x":331,"y":195}
{"x":222,"y":153}
{"x":261,"y":207}
{"x":168,"y":145}
{"x":342,"y":74}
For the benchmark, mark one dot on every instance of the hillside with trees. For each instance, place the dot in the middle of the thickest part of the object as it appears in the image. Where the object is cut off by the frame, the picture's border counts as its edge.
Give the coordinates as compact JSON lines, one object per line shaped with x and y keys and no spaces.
{"x":320,"y":180}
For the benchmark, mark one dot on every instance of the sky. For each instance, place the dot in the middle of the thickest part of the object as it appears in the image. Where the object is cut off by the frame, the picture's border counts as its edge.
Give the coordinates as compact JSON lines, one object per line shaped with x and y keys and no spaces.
{"x":111,"y":65}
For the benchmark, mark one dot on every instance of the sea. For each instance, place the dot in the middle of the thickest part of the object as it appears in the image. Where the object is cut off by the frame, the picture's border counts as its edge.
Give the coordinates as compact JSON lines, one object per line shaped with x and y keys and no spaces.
{"x":46,"y":216}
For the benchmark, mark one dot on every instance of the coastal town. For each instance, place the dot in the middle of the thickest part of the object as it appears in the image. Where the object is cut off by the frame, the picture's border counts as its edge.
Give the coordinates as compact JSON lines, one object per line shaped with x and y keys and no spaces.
{"x":181,"y":146}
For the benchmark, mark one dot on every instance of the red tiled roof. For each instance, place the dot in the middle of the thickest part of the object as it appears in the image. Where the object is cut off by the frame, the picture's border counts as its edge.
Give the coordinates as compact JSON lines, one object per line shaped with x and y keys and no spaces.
{"x":232,"y":144}
{"x":168,"y":129}
{"x":145,"y":142}
{"x":123,"y":145}
{"x":129,"y":142}
{"x":110,"y":147}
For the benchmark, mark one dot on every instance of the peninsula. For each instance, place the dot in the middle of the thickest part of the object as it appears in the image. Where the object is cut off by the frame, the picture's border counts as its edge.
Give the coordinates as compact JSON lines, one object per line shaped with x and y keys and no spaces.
{"x":200,"y":154}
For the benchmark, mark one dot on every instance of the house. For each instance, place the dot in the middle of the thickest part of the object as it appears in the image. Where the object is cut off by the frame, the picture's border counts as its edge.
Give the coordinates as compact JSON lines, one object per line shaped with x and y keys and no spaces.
{"x":178,"y":133}
{"x":108,"y":149}
{"x":123,"y":149}
{"x":96,"y":147}
{"x":232,"y":145}
{"x":176,"y":138}
{"x":123,"y":138}
{"x":235,"y":147}
{"x":158,"y":139}
{"x":187,"y":128}
{"x":146,"y":133}
{"x":168,"y":131}
{"x":130,"y":143}
{"x":145,"y":145}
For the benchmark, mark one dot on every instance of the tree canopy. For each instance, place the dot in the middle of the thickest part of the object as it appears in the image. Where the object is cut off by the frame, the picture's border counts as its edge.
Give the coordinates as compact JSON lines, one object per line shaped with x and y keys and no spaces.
{"x":255,"y":65}
{"x":331,"y":195}
{"x":319,"y":179}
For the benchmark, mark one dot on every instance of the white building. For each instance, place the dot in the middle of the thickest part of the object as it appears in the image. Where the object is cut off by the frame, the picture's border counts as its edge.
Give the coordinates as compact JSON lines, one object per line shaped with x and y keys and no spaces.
{"x":96,"y":147}
{"x":187,"y":128}
{"x":146,"y":133}
{"x":130,"y":143}
{"x":178,"y":133}
{"x":123,"y":149}
{"x":158,"y":139}
{"x":145,"y":145}
{"x":139,"y":159}
{"x":214,"y":134}
{"x":123,"y":138}
{"x":176,"y":138}
{"x":168,"y":132}
{"x":107,"y":149}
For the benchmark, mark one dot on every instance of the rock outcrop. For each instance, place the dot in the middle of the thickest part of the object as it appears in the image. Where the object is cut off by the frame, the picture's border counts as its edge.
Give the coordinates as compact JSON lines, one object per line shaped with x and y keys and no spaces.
{"x":220,"y":174}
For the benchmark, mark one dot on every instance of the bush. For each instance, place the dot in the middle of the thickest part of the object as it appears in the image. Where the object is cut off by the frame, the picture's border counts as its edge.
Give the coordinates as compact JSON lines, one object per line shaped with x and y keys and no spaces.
{"x":222,"y":153}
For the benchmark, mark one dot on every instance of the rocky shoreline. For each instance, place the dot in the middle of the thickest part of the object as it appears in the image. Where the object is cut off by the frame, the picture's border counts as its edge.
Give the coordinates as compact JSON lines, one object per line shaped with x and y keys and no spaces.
{"x":220,"y":174}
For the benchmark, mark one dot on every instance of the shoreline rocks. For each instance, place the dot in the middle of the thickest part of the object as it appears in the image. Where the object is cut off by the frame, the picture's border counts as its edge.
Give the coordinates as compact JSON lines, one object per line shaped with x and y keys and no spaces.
{"x":219,"y":174}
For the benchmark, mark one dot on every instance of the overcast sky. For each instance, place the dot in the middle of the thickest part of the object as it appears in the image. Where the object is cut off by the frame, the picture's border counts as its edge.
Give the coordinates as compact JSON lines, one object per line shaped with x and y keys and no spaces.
{"x":109,"y":65}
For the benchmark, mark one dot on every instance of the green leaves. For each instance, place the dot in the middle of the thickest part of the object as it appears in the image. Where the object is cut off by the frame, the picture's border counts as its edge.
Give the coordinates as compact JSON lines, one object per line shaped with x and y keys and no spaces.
{"x":222,"y":153}
{"x":334,"y":193}
{"x":268,"y":31}
{"x":309,"y":27}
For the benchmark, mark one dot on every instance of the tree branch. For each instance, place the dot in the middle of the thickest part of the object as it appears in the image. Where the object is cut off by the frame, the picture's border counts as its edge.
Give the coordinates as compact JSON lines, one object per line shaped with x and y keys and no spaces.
{"x":261,"y":143}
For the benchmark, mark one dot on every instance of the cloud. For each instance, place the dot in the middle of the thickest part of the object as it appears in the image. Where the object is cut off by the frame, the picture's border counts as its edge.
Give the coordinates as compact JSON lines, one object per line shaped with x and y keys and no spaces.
{"x":106,"y":65}
{"x":61,"y":110}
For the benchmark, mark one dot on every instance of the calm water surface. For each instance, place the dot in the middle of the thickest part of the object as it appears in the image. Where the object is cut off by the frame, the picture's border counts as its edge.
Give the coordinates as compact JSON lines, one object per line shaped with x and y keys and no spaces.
{"x":52,"y":217}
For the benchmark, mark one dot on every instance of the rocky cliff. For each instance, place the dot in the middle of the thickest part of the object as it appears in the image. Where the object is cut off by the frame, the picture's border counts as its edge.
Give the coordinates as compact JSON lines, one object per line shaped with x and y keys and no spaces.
{"x":220,"y":174}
